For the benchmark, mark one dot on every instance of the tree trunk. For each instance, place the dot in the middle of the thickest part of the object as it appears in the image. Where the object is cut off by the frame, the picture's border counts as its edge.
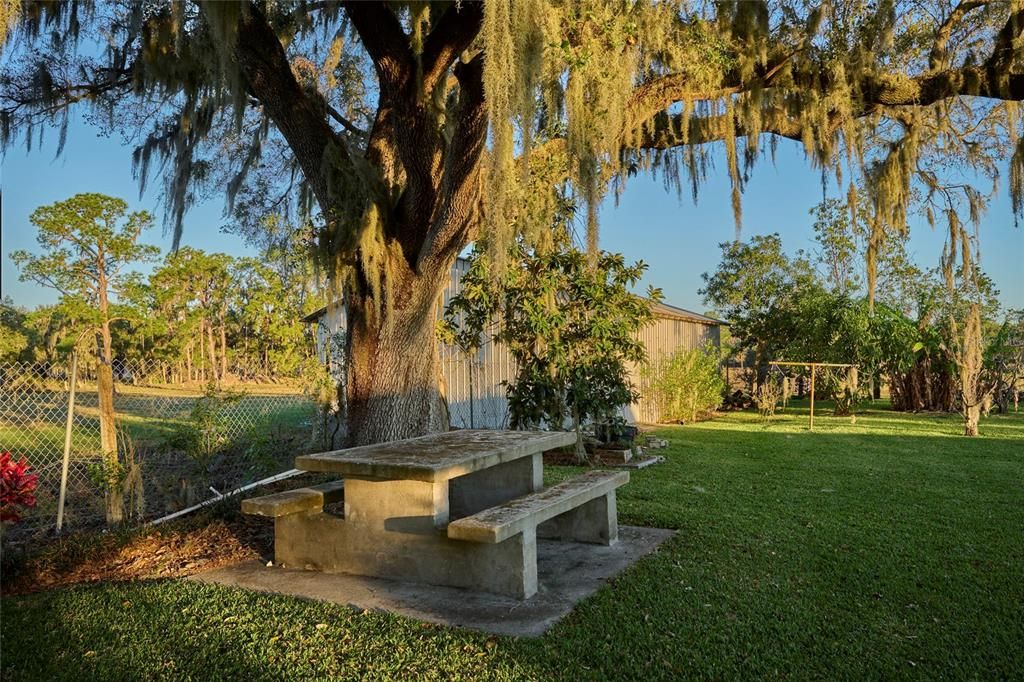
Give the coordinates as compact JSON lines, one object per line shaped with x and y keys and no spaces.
{"x":972,"y":415}
{"x":213,"y":353}
{"x":201,"y":357}
{"x":393,"y":373}
{"x":108,"y":425}
{"x":580,"y":450}
{"x":422,"y":187}
{"x":223,"y":349}
{"x":972,"y":392}
{"x":760,"y":366}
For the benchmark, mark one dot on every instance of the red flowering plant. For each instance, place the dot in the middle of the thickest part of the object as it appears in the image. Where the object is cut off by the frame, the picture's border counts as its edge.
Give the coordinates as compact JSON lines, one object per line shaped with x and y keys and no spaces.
{"x":17,"y":488}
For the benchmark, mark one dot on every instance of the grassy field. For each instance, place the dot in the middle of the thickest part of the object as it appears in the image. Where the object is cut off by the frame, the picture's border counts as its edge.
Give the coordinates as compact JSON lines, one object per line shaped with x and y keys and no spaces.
{"x":152,"y":416}
{"x":889,"y":548}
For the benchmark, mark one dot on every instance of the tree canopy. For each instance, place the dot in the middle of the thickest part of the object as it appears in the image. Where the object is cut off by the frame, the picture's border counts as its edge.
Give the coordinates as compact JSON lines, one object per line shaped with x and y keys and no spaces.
{"x":406,"y":130}
{"x":585,"y":90}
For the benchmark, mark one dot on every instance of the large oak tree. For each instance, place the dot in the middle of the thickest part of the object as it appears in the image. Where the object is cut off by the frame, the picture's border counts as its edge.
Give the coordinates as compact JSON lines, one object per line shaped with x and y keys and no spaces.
{"x":407,"y":130}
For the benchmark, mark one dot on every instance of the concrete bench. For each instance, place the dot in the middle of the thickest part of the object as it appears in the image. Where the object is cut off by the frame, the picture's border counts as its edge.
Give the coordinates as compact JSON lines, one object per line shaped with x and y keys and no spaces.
{"x":581,"y":509}
{"x":311,"y":499}
{"x":436,"y":509}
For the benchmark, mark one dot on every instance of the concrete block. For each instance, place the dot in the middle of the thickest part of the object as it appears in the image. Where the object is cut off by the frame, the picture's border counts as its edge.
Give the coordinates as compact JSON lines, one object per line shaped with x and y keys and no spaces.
{"x":593,"y":522}
{"x":480,"y":490}
{"x":325,"y":543}
{"x":401,"y":506}
{"x":499,"y":523}
{"x":295,"y":501}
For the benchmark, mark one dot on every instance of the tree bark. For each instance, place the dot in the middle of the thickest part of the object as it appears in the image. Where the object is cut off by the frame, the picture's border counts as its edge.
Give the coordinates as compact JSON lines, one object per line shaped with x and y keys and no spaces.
{"x":211,"y":344}
{"x":393,"y":372}
{"x":223,"y":348}
{"x":972,"y":415}
{"x":201,"y":358}
{"x":105,"y":396}
{"x":424,"y":185}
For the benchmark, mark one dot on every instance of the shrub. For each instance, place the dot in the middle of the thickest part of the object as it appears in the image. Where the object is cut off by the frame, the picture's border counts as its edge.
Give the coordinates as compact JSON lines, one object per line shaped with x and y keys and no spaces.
{"x":773,"y":389}
{"x":17,"y":488}
{"x":686,"y":384}
{"x":206,"y":435}
{"x":570,"y":322}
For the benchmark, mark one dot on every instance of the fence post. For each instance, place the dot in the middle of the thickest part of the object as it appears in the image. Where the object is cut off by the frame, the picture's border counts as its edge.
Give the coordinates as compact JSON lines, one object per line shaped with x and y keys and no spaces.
{"x":67,"y":440}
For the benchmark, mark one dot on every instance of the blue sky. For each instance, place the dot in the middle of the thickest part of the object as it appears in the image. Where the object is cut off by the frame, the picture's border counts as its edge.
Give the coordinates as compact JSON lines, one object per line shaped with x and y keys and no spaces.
{"x":677,"y":239}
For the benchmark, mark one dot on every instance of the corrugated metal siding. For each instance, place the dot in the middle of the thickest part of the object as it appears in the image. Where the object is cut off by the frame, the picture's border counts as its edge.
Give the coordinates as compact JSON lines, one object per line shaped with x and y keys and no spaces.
{"x":488,"y":408}
{"x":662,"y":338}
{"x":491,"y":365}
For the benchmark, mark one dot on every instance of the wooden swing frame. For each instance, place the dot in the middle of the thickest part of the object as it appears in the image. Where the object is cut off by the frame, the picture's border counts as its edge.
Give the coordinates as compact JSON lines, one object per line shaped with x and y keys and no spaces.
{"x":813,"y":366}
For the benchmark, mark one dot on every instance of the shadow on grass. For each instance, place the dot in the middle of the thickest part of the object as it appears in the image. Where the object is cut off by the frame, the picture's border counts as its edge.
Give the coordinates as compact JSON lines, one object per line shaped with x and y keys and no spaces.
{"x":185,"y":630}
{"x":869,"y":551}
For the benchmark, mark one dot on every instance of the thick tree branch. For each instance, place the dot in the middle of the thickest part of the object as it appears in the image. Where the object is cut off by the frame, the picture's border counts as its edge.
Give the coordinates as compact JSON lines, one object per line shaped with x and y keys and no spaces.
{"x":405,"y":141}
{"x":303,"y":124}
{"x":969,"y":81}
{"x":1007,"y":41}
{"x":666,"y":132}
{"x":384,"y":40}
{"x":386,"y":43}
{"x":452,"y":226}
{"x":653,"y":97}
{"x":937,"y":59}
{"x":453,"y":34}
{"x":879,"y":92}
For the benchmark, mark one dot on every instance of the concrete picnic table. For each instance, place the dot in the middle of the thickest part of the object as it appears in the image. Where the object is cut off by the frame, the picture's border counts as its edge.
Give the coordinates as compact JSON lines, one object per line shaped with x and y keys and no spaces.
{"x":460,"y":508}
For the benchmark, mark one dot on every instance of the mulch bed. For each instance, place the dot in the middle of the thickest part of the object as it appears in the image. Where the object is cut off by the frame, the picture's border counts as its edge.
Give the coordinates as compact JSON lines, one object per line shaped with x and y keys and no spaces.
{"x":205,"y":540}
{"x":172,"y":552}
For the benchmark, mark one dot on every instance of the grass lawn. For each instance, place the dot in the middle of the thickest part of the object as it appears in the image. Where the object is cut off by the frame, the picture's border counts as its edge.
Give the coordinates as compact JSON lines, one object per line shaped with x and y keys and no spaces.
{"x":888,"y":548}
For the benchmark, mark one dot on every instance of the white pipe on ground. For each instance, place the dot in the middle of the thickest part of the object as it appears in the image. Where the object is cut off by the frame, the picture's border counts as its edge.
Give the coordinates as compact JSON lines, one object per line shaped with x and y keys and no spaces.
{"x":273,"y":479}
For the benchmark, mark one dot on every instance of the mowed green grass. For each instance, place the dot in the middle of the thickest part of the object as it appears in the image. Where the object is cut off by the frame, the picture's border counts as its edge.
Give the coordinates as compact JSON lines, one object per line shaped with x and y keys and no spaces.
{"x":892,"y":548}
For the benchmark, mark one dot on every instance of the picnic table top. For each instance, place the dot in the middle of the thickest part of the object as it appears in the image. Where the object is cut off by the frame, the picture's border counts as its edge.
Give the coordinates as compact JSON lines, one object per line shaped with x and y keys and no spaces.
{"x":438,"y":456}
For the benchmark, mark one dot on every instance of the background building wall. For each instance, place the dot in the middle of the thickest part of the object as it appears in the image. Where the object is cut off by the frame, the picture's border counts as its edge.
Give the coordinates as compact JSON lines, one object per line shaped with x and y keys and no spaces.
{"x":474,"y":385}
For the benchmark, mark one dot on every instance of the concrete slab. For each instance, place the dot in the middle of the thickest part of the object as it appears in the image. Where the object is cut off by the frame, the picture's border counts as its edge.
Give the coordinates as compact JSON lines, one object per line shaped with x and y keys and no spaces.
{"x":567,"y":573}
{"x":642,"y":463}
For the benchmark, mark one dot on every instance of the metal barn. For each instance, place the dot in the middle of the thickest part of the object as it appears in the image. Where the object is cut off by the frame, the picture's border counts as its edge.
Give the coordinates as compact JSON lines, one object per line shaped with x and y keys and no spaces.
{"x":473,"y":386}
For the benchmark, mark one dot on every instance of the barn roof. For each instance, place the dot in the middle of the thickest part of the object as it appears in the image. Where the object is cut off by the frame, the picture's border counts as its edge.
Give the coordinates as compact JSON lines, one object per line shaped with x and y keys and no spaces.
{"x":663,"y":310}
{"x":671,"y":311}
{"x":315,"y":315}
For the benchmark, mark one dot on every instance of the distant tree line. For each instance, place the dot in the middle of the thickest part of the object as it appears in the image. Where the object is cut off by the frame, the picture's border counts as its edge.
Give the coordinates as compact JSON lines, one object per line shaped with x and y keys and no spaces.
{"x":195,"y":317}
{"x":813,"y":306}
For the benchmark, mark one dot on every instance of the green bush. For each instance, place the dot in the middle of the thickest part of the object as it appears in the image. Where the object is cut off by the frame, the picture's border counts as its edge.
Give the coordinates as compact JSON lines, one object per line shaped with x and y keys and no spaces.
{"x":207,"y":433}
{"x":686,"y":384}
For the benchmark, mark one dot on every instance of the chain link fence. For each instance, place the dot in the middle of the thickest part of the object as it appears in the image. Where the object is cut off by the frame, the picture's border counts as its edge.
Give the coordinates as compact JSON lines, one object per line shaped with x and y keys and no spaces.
{"x":178,"y":443}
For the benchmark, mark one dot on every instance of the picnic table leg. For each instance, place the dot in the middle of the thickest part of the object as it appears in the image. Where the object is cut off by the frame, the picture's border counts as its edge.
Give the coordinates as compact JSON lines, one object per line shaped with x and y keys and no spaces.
{"x":594,"y":522}
{"x":403,"y":506}
{"x":495,"y":485}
